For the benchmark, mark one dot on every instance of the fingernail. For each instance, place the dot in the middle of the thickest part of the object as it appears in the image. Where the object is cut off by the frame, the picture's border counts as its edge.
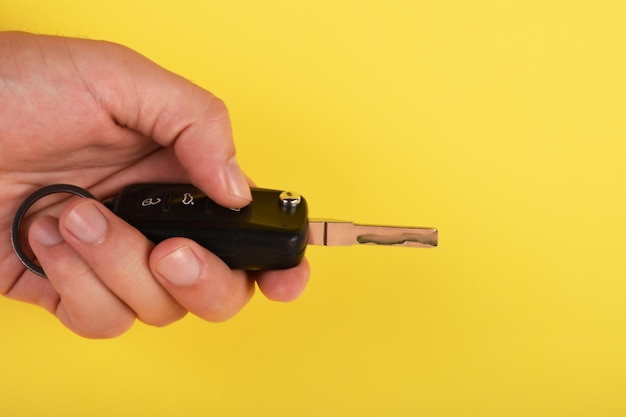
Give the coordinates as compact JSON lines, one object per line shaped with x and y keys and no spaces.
{"x":87,"y":223}
{"x":47,"y":233}
{"x":236,"y":181}
{"x":180,"y":267}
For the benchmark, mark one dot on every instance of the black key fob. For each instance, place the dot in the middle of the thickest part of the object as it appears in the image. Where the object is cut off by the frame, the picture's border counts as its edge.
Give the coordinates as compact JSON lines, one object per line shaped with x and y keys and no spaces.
{"x":270,"y":233}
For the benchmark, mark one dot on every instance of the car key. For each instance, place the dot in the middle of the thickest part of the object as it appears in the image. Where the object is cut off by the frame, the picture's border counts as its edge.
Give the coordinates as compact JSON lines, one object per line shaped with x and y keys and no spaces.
{"x":272,"y":232}
{"x":263,"y":235}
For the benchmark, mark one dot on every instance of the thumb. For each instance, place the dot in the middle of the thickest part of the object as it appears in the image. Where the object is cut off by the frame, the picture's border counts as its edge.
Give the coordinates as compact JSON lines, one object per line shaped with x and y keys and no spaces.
{"x":140,"y":95}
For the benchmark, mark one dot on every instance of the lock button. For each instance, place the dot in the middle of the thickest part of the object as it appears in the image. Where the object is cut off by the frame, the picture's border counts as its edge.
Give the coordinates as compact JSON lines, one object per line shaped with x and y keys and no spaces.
{"x":149,"y":205}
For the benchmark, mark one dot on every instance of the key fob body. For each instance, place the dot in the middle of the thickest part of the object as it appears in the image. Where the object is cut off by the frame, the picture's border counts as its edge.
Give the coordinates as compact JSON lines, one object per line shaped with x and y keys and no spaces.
{"x":267,"y":234}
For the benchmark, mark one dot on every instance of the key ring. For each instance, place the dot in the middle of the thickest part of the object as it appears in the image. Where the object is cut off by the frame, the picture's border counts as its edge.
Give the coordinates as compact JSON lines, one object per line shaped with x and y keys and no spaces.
{"x":21,"y":212}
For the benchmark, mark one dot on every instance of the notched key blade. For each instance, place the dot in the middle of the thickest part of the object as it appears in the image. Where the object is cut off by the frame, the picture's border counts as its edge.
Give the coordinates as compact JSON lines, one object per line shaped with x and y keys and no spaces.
{"x":416,"y":240}
{"x":339,"y":233}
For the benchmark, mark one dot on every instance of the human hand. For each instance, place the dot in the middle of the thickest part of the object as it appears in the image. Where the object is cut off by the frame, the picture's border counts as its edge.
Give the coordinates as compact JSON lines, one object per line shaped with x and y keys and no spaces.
{"x":100,"y":116}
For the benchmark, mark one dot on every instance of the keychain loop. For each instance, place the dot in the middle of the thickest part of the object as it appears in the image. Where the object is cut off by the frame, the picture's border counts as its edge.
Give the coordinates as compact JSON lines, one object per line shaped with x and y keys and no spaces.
{"x":21,"y":212}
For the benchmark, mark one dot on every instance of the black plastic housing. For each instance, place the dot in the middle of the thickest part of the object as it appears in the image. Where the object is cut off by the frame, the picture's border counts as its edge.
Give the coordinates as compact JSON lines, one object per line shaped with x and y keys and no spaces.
{"x":263,"y":235}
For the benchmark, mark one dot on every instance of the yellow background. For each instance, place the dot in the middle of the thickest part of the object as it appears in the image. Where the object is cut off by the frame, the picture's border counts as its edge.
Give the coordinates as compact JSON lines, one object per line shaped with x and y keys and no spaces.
{"x":500,"y":122}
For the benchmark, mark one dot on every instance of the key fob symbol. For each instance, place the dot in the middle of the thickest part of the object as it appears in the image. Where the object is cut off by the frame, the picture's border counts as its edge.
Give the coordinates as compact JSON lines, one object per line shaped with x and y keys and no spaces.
{"x":187,"y":199}
{"x":153,"y":201}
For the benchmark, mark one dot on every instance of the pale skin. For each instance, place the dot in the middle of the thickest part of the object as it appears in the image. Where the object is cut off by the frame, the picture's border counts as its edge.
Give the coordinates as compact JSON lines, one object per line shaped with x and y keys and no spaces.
{"x":101,"y":116}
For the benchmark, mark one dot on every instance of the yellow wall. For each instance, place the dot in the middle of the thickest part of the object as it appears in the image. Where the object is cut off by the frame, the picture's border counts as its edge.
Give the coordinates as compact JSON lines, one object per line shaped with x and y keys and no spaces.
{"x":503,"y":123}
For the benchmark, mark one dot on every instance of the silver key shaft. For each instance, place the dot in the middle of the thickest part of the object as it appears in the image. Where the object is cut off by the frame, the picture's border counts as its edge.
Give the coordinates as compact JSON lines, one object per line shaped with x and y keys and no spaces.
{"x":341,"y":233}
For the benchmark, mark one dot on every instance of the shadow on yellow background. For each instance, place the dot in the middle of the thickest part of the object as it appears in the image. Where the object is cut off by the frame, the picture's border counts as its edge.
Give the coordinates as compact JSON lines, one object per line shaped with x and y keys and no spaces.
{"x":501,"y":123}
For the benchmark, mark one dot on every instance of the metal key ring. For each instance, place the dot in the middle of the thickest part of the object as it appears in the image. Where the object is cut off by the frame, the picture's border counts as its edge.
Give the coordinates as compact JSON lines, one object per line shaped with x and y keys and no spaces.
{"x":21,"y":212}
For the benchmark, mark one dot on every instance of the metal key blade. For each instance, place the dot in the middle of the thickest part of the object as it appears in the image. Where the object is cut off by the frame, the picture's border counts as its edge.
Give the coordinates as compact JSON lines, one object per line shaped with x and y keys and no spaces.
{"x":341,"y":233}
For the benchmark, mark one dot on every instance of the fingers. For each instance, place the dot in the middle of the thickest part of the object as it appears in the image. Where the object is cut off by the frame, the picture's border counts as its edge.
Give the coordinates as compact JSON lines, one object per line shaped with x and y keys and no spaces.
{"x":118,"y":255}
{"x":99,"y":266}
{"x":107,"y":273}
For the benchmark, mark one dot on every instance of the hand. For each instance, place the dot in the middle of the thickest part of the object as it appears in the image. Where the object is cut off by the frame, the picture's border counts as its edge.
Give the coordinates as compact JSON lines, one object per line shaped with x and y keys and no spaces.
{"x":100,"y":116}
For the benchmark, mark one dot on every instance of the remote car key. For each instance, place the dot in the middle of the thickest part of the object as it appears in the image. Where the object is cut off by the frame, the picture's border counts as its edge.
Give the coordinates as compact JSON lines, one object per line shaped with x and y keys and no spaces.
{"x":272,"y":232}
